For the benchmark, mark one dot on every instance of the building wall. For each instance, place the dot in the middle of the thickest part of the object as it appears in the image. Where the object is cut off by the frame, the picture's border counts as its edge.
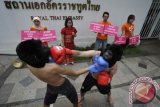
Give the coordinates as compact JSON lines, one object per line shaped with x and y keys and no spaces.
{"x":12,"y":21}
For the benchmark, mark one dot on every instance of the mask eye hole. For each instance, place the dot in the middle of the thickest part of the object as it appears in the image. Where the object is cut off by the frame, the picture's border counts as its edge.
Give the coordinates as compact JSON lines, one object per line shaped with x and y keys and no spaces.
{"x":107,"y":54}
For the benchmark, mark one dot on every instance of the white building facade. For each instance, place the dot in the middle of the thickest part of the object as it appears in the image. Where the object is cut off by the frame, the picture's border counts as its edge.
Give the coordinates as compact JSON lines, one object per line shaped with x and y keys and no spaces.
{"x":16,"y":16}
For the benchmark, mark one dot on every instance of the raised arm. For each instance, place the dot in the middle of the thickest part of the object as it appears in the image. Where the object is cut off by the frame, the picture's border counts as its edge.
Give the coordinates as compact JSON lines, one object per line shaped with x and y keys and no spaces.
{"x":89,"y":53}
{"x":67,"y":71}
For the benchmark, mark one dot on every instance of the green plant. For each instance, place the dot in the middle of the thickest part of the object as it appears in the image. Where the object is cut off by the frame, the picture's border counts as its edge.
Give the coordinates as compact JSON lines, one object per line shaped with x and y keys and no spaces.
{"x":91,"y":47}
{"x":133,"y":50}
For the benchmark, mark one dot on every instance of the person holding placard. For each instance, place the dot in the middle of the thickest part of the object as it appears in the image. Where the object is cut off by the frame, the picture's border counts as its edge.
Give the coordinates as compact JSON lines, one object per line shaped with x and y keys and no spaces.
{"x":38,"y":27}
{"x":101,"y":40}
{"x":68,"y":34}
{"x":128,"y":28}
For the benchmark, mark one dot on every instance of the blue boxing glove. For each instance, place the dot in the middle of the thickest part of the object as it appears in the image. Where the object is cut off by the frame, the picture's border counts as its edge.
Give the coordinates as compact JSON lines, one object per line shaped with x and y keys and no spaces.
{"x":95,"y":58}
{"x":98,"y":65}
{"x":51,"y":60}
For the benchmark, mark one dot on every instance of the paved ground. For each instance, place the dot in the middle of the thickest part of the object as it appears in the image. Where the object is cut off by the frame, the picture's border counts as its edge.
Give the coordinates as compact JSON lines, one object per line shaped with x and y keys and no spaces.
{"x":19,"y":88}
{"x":150,"y":47}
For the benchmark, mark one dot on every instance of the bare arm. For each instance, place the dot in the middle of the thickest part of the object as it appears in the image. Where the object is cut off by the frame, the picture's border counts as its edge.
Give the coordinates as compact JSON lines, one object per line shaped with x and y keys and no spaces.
{"x":123,"y":33}
{"x":113,"y":69}
{"x":133,"y":33}
{"x":74,"y":34}
{"x":123,"y":30}
{"x":62,"y":40}
{"x":67,"y":71}
{"x":89,"y":53}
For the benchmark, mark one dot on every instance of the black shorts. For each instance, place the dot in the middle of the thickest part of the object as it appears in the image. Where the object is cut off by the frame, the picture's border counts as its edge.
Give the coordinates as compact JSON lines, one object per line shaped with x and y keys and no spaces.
{"x":89,"y":82}
{"x":66,"y":89}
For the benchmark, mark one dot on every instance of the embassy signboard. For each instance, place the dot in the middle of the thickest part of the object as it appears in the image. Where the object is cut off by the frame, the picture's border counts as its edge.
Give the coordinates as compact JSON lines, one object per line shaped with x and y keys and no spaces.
{"x":16,"y":15}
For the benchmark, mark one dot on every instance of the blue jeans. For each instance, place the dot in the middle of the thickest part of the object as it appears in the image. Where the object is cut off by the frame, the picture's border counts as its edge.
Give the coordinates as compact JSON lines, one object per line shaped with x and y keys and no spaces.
{"x":100,"y":44}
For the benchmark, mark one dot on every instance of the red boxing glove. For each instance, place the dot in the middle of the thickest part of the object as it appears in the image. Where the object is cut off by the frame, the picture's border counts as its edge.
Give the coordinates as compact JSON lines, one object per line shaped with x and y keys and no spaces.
{"x":103,"y":78}
{"x":58,"y":54}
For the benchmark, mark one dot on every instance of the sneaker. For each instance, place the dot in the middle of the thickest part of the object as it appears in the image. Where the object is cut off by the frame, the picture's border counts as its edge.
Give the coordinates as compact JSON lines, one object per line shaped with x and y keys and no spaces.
{"x":72,"y":63}
{"x":65,"y":64}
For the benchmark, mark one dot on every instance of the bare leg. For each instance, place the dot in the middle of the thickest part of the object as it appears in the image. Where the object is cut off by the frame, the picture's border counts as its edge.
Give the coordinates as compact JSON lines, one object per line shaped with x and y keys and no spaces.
{"x":76,"y":104}
{"x":81,"y":97}
{"x":109,"y":99}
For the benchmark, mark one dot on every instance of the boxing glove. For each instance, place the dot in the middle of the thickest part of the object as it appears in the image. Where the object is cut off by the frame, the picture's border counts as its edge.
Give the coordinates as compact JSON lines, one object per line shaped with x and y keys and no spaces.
{"x":95,"y":58}
{"x":58,"y":54}
{"x":51,"y":60}
{"x":103,"y":78}
{"x":98,"y":65}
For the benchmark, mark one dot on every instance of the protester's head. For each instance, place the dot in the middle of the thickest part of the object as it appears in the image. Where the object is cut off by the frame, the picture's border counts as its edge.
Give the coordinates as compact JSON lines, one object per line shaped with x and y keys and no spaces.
{"x":131,"y":18}
{"x":112,"y":54}
{"x":36,"y":21}
{"x":68,"y":22}
{"x":33,"y":53}
{"x":105,"y":16}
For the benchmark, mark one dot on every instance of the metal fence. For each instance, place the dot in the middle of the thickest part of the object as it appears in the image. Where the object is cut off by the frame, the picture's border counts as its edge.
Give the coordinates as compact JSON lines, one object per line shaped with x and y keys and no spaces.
{"x":151,"y":26}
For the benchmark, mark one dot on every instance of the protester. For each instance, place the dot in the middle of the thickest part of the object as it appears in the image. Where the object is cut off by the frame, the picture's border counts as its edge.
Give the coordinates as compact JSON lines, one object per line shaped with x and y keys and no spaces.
{"x":68,"y":34}
{"x":101,"y":40}
{"x":38,"y":27}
